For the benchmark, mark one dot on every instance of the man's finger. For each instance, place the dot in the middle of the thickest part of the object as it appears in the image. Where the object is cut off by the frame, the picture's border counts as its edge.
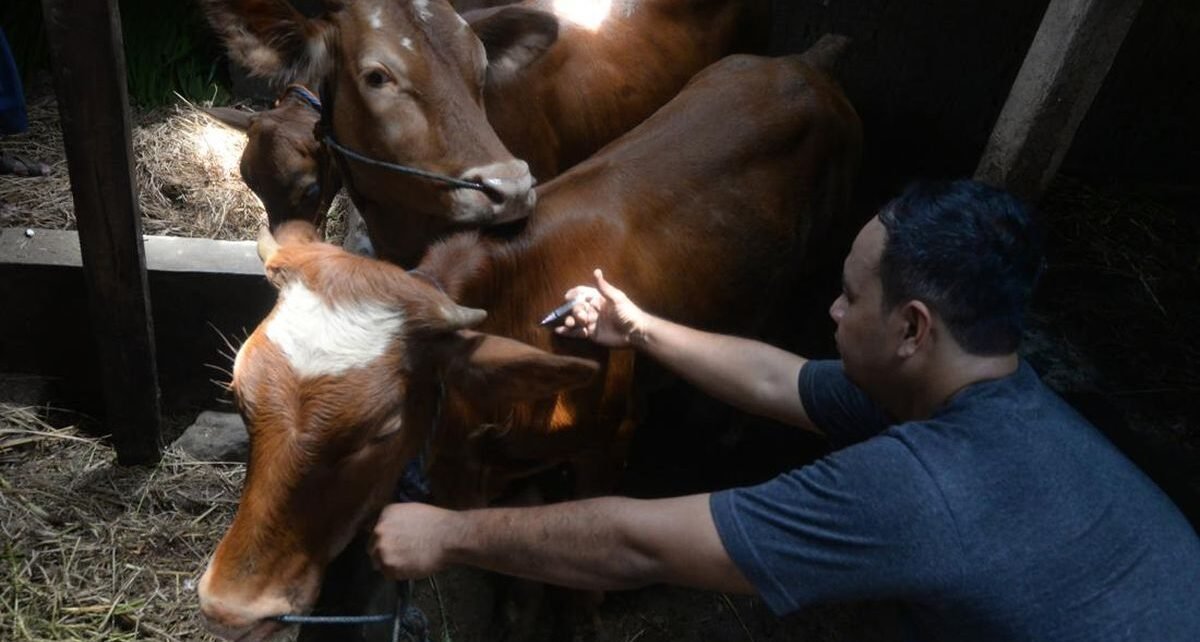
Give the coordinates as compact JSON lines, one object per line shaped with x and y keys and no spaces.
{"x":607,"y":289}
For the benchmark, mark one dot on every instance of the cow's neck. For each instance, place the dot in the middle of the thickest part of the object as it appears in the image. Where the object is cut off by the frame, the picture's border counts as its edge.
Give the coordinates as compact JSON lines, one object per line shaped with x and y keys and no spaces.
{"x":403,"y":235}
{"x":518,"y":279}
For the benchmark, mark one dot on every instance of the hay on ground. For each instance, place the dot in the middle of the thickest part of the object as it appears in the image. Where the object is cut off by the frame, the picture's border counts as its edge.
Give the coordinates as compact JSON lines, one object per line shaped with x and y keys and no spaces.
{"x":185,"y":164}
{"x":93,"y":551}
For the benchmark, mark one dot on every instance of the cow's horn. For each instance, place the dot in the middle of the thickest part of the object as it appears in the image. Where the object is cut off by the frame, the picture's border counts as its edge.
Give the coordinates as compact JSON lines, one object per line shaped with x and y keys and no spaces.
{"x":267,"y":245}
{"x":460,"y":317}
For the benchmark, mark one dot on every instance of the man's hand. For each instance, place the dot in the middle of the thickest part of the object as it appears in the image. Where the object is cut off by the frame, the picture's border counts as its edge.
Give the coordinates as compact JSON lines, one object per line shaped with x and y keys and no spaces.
{"x":409,"y":540}
{"x":604,"y":314}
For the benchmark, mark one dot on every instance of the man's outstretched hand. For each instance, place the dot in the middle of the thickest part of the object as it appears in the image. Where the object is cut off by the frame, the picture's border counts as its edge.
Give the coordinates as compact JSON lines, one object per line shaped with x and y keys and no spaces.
{"x":603,"y":314}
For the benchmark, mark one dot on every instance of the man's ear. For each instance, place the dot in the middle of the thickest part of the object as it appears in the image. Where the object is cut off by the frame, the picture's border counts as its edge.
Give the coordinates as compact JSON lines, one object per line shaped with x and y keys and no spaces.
{"x":513,"y":37}
{"x":917,"y":321}
{"x":496,"y":369}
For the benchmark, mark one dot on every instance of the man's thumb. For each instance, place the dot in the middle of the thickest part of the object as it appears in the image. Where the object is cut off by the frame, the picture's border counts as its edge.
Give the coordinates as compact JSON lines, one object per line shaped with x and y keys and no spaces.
{"x":606,"y":288}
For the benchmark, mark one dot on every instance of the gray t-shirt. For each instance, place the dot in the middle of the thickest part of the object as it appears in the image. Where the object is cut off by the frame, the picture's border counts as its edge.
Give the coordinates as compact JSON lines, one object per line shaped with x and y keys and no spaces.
{"x":1005,"y":516}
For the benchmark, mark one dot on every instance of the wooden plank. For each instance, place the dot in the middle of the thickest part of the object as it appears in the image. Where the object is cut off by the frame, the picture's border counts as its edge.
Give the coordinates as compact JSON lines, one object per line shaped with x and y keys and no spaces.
{"x":1063,"y":70}
{"x":163,"y":253}
{"x":89,"y":74}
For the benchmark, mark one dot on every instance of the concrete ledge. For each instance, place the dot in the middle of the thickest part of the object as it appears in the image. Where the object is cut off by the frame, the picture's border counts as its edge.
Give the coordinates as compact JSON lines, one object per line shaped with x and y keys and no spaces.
{"x":163,"y":253}
{"x":201,"y":292}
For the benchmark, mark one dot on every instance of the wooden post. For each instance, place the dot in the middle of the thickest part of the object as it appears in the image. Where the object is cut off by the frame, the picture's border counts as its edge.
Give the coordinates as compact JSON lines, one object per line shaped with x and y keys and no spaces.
{"x":89,"y":73}
{"x":1064,"y":68}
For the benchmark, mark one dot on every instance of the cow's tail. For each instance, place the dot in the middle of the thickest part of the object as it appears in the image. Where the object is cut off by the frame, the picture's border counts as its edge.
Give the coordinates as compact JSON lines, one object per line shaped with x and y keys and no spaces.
{"x":826,"y":53}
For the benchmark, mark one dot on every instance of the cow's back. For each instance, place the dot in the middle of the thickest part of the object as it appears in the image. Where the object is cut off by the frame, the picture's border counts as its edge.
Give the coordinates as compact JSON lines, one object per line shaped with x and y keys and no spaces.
{"x":591,"y":87}
{"x":702,"y":214}
{"x":714,"y":200}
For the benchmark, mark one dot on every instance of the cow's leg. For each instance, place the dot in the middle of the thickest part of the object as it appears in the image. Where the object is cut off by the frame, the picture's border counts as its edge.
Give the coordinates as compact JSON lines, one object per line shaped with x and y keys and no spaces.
{"x":352,"y":587}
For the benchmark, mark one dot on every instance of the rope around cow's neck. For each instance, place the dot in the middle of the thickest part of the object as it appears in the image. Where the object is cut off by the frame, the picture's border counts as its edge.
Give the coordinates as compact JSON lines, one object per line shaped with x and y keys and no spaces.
{"x":407,"y":620}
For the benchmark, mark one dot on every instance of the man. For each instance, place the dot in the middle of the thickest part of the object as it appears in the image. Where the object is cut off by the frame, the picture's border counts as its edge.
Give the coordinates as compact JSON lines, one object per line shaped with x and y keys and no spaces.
{"x":13,"y":119}
{"x":961,"y":486}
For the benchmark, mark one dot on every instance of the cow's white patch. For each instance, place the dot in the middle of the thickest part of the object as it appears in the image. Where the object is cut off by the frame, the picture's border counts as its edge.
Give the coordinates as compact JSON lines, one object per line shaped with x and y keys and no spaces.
{"x":422,"y":7}
{"x":374,"y":20}
{"x":406,"y":43}
{"x":320,"y":339}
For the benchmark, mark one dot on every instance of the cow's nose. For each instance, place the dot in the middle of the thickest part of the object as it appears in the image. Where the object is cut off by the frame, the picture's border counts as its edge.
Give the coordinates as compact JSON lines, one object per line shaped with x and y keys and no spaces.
{"x":239,"y":617}
{"x":507,"y":195}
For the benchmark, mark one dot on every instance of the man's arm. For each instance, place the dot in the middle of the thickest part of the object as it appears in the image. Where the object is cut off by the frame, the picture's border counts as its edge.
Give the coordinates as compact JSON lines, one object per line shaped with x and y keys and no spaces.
{"x":750,"y":375}
{"x":598,"y":544}
{"x":744,"y":373}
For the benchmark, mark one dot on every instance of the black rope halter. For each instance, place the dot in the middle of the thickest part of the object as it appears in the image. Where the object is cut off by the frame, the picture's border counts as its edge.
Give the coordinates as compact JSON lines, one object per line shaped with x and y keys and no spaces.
{"x":491,"y":192}
{"x":302,"y":92}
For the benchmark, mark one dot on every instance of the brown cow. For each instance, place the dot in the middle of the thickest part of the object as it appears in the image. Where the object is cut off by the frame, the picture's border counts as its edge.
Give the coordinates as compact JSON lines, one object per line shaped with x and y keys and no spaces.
{"x":410,"y":82}
{"x":283,"y":163}
{"x":702,"y":210}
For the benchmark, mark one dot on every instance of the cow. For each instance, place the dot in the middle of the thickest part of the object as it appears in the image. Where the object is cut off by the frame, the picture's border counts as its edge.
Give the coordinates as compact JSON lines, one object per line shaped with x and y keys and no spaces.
{"x":699,"y":213}
{"x":283,"y":163}
{"x":412,"y":83}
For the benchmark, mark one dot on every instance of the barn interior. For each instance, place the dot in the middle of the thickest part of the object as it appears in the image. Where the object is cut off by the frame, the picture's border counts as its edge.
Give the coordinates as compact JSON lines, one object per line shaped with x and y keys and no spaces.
{"x":1111,"y":327}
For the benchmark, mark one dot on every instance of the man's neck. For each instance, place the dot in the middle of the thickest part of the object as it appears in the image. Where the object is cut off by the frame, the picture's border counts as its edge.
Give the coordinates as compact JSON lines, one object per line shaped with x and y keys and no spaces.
{"x":946,"y":377}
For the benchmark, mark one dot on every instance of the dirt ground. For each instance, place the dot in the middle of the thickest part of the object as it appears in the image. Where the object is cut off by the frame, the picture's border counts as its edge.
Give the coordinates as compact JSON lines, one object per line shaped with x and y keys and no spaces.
{"x":93,"y":551}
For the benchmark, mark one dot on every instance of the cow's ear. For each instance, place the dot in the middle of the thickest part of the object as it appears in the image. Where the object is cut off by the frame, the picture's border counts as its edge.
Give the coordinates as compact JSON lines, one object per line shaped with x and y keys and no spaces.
{"x":496,"y":369}
{"x":270,"y":38}
{"x":513,"y":37}
{"x":236,"y":118}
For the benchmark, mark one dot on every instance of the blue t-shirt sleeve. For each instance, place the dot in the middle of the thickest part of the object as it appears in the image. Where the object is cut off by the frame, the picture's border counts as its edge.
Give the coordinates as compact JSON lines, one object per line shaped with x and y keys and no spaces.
{"x":866,"y":522}
{"x":838,"y":407}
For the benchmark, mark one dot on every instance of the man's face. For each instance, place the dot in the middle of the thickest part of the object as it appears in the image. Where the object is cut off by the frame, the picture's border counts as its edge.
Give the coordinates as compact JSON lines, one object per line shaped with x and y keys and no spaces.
{"x":862,"y":336}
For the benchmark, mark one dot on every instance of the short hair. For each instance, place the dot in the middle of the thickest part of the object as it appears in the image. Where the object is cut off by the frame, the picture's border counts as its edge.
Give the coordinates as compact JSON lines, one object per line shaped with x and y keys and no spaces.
{"x":969,"y":251}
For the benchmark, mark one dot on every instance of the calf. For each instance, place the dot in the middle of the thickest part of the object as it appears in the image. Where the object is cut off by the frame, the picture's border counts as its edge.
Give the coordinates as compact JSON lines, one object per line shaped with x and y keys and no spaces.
{"x":411,"y":82}
{"x":361,"y":365}
{"x":283,"y":163}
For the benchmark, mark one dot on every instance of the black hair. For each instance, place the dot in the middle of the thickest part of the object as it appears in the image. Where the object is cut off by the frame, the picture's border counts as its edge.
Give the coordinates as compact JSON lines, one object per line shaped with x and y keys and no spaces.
{"x":969,"y":251}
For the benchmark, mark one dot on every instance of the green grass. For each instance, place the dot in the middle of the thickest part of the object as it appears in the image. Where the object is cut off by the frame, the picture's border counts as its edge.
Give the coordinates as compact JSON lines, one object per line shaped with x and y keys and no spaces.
{"x":169,"y":49}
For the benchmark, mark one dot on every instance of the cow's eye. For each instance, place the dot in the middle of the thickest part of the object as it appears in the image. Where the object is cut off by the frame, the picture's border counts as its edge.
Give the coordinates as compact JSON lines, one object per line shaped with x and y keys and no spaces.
{"x":312,"y":191}
{"x":376,"y":78}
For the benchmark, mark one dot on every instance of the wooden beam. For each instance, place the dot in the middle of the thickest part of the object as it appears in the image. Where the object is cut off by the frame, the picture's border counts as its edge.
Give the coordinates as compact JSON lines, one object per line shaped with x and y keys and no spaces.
{"x":89,"y":74}
{"x":1064,"y":68}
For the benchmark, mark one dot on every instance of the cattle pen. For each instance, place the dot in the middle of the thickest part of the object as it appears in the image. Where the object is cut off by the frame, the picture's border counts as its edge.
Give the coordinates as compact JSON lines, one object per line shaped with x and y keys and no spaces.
{"x":115,"y":326}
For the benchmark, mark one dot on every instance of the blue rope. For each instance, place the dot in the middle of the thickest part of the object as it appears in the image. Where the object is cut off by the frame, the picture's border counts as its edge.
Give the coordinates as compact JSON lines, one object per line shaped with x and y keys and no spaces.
{"x":407,"y":621}
{"x":378,"y":618}
{"x":302,"y":92}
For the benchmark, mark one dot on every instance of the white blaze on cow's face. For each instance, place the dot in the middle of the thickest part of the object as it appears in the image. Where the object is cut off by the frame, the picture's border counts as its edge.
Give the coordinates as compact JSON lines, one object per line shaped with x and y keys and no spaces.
{"x":319,"y":338}
{"x":325,"y":386}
